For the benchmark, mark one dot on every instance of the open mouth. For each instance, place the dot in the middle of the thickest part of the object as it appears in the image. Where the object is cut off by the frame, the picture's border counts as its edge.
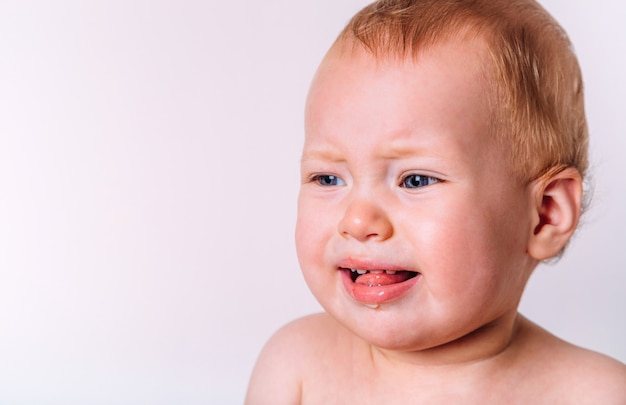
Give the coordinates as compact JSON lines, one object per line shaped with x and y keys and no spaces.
{"x":375,"y":287}
{"x":377,"y":278}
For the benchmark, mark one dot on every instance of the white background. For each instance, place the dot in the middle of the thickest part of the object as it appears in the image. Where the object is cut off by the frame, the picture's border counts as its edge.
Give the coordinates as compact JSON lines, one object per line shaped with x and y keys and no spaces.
{"x":148,"y":181}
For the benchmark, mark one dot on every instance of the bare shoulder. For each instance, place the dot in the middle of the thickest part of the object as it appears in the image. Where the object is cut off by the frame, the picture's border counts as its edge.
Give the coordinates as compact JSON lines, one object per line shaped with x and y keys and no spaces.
{"x":574,"y":374}
{"x":305,"y":337}
{"x":593,"y":377}
{"x":287,"y":357}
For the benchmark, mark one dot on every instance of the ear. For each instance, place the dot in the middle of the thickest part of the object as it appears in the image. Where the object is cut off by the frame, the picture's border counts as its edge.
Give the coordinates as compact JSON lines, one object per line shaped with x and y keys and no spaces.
{"x":556,"y":211}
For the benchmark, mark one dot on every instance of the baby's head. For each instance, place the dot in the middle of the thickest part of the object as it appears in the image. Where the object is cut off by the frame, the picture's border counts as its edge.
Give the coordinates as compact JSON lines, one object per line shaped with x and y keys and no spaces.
{"x":445,"y":143}
{"x":532,"y":77}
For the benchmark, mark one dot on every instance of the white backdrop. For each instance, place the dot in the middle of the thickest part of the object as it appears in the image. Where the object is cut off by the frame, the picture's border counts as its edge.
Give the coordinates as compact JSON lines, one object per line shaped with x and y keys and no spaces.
{"x":148,"y":181}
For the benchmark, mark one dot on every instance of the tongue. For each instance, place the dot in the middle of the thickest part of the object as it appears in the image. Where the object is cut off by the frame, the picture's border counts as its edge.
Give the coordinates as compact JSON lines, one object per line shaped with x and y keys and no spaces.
{"x":375,"y":280}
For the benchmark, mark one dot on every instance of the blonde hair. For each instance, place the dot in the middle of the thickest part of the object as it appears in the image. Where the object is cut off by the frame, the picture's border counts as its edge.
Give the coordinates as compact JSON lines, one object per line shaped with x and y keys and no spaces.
{"x":535,"y":81}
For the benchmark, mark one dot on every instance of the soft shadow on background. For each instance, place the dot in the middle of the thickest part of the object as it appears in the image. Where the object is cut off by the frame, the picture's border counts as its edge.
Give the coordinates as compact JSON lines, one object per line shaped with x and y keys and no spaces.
{"x":148,"y":181}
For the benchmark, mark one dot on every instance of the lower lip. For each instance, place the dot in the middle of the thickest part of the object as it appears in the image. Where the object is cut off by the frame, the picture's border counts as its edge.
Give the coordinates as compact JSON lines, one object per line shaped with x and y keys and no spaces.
{"x":376,"y":294}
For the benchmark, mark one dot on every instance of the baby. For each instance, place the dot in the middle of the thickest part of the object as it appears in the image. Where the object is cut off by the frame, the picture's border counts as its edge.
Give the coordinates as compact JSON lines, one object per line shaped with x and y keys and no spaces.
{"x":444,"y":158}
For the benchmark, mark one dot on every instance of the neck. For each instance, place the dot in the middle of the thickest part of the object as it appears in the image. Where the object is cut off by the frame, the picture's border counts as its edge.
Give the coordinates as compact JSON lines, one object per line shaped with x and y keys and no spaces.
{"x":482,"y":346}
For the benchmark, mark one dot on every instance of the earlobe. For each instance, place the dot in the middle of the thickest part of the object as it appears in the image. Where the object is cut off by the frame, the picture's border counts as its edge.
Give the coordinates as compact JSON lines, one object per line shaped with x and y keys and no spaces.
{"x":556,"y":211}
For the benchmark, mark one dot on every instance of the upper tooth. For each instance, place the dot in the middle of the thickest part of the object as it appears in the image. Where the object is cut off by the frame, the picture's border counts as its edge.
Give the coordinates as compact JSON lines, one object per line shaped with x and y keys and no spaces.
{"x":373,"y":271}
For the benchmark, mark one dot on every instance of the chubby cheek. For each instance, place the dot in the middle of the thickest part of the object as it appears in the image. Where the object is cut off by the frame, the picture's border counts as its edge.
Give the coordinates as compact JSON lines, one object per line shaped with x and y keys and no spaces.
{"x":496,"y":269}
{"x":467,"y":253}
{"x":314,"y":229}
{"x":306,"y":245}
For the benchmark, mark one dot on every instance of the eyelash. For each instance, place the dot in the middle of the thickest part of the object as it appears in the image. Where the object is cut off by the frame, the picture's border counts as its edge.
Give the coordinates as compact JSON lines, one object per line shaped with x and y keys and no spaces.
{"x":319,"y":178}
{"x":428,"y":180}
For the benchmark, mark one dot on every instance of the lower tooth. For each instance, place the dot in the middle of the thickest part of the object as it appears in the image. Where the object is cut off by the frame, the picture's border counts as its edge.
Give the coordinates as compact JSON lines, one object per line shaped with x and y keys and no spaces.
{"x":373,"y":306}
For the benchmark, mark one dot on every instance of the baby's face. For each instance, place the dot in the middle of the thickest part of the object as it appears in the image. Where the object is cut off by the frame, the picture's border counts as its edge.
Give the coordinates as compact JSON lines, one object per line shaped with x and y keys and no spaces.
{"x":401,"y":181}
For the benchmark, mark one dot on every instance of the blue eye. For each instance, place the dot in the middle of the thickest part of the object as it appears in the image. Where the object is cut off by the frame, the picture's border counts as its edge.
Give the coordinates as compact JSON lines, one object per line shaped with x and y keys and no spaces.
{"x":328,"y":180}
{"x":417,"y":181}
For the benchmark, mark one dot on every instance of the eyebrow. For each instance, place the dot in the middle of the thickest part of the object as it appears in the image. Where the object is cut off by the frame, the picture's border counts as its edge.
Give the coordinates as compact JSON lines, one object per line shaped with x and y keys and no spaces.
{"x":327,"y":154}
{"x":402,"y":151}
{"x":394,"y":149}
{"x":386,"y":153}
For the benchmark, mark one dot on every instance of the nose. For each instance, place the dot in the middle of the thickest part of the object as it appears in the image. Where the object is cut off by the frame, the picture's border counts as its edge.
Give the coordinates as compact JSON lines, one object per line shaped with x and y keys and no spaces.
{"x":365,"y":220}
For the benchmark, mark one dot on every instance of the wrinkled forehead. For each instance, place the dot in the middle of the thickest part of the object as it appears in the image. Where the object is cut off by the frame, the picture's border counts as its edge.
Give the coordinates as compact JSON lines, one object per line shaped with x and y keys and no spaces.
{"x":357,"y":98}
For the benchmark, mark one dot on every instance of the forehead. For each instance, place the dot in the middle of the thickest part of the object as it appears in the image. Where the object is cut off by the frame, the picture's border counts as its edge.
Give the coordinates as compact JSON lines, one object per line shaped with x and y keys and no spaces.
{"x":442,"y":89}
